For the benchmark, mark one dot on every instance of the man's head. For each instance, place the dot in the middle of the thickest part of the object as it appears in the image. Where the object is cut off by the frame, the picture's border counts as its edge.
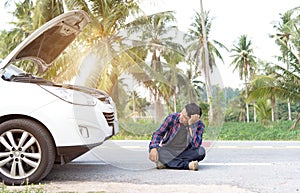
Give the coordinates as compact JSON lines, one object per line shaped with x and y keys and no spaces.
{"x":189,"y":109}
{"x":192,"y":109}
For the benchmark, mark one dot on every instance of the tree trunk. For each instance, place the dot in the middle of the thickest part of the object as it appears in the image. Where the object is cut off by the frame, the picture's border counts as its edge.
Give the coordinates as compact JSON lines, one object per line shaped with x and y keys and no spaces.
{"x":273,"y":108}
{"x":289,"y":110}
{"x":254,"y":113}
{"x":158,"y":110}
{"x":247,"y":112}
{"x":157,"y":102}
{"x":289,"y":104}
{"x":295,"y":123}
{"x":247,"y":105}
{"x":206,"y":67}
{"x":133,"y":107}
{"x":174,"y":102}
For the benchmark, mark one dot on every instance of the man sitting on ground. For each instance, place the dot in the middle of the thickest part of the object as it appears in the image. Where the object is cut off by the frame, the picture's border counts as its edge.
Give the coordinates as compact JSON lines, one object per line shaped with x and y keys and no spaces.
{"x":177,"y":142}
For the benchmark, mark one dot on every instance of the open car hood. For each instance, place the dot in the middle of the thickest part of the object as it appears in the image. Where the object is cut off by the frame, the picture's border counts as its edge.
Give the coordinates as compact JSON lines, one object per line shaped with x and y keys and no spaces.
{"x":46,"y":43}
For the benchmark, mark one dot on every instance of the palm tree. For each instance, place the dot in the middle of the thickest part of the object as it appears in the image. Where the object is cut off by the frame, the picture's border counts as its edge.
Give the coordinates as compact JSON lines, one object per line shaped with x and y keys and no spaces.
{"x":197,"y":37}
{"x":236,"y":109}
{"x":103,"y":38}
{"x":155,"y":33}
{"x":264,"y":87}
{"x":205,"y":66}
{"x":264,"y":111}
{"x":283,"y":38}
{"x":178,"y":83}
{"x":137,"y":105}
{"x":45,"y":11}
{"x":282,"y":83}
{"x":245,"y":62}
{"x":289,"y":80}
{"x":4,"y":47}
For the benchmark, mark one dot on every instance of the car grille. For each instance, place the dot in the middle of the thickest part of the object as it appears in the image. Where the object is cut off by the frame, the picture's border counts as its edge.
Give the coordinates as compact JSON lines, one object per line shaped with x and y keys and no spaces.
{"x":109,"y":118}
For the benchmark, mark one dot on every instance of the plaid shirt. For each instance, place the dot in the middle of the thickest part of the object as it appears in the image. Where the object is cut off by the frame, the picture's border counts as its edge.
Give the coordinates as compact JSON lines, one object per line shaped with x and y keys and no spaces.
{"x":169,"y":128}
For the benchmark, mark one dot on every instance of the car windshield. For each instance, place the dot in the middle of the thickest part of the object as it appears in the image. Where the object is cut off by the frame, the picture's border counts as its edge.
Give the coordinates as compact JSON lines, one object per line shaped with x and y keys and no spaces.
{"x":15,"y":74}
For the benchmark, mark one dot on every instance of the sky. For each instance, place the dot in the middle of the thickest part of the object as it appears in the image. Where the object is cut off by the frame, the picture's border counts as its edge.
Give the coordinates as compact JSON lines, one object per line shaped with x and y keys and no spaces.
{"x":231,"y":19}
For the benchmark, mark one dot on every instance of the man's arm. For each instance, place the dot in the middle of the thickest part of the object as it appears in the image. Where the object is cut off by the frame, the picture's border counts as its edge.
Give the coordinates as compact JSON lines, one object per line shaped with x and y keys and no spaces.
{"x":197,"y":130}
{"x":158,"y":135}
{"x":194,"y":119}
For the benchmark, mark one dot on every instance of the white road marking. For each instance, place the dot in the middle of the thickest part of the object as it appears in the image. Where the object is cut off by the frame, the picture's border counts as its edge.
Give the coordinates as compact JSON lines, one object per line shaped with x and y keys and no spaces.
{"x":235,"y":164}
{"x":215,"y":147}
{"x":225,"y":146}
{"x":263,"y":147}
{"x":200,"y":163}
{"x":293,"y":147}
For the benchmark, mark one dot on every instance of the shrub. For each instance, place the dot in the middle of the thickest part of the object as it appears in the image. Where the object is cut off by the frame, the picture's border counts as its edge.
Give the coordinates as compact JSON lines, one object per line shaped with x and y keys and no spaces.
{"x":255,"y":131}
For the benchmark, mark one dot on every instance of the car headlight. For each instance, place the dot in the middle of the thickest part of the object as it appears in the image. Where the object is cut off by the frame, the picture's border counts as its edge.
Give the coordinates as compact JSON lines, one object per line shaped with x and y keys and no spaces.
{"x":71,"y":96}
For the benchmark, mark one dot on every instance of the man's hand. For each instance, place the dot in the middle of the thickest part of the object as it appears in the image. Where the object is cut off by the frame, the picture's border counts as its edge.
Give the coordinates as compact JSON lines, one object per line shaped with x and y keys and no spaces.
{"x":194,"y":118}
{"x":153,"y":155}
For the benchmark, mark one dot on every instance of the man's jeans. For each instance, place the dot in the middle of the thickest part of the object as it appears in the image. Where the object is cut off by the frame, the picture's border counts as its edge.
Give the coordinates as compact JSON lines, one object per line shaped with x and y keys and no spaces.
{"x":180,"y":159}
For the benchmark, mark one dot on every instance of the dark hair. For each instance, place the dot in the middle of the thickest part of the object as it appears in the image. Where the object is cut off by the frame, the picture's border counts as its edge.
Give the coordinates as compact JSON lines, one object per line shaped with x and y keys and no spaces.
{"x":192,"y":109}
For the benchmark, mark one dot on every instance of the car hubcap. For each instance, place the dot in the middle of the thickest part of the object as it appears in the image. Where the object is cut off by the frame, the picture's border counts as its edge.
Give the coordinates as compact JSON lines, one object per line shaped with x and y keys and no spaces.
{"x":20,"y":154}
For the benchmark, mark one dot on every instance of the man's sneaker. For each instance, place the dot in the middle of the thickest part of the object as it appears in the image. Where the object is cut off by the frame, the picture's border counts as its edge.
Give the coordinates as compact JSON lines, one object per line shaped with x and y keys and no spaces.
{"x":160,"y":165}
{"x":193,"y":165}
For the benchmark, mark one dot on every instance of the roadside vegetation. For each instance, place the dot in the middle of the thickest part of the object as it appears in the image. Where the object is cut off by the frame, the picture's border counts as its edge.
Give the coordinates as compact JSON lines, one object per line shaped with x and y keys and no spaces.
{"x":138,"y":59}
{"x":255,"y":131}
{"x":279,"y":130}
{"x":23,"y":189}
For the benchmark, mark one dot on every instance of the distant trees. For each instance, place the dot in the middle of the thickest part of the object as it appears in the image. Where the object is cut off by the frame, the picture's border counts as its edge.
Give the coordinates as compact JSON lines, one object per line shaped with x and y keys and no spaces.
{"x":105,"y":41}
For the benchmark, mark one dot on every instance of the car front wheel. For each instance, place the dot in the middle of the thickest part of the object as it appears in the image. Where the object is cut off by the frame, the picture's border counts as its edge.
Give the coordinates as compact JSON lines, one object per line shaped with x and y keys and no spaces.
{"x":27,"y":152}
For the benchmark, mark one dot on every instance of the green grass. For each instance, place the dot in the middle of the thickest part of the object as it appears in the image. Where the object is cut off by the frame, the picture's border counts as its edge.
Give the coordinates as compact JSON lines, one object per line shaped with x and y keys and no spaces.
{"x":139,"y":130}
{"x":255,"y":131}
{"x":142,"y":130}
{"x":20,"y":189}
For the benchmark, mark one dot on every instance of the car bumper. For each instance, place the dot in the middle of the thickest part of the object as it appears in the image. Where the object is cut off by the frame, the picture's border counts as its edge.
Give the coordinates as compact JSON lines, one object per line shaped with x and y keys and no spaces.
{"x":75,"y":125}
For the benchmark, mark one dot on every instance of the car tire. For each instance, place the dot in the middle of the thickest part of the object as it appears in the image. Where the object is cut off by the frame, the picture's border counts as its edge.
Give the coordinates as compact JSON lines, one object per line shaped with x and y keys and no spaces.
{"x":27,"y":152}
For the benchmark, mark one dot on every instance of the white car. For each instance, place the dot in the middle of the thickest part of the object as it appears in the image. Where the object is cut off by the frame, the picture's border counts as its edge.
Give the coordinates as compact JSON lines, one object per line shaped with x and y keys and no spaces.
{"x":42,"y":123}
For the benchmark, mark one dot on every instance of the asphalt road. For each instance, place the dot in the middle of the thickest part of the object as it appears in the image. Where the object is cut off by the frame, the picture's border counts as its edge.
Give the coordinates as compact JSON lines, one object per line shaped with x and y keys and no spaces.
{"x":256,"y":166}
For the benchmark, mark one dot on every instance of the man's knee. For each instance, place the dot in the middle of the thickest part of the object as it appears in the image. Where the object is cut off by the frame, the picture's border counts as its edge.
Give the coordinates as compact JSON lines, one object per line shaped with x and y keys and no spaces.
{"x":201,"y":153}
